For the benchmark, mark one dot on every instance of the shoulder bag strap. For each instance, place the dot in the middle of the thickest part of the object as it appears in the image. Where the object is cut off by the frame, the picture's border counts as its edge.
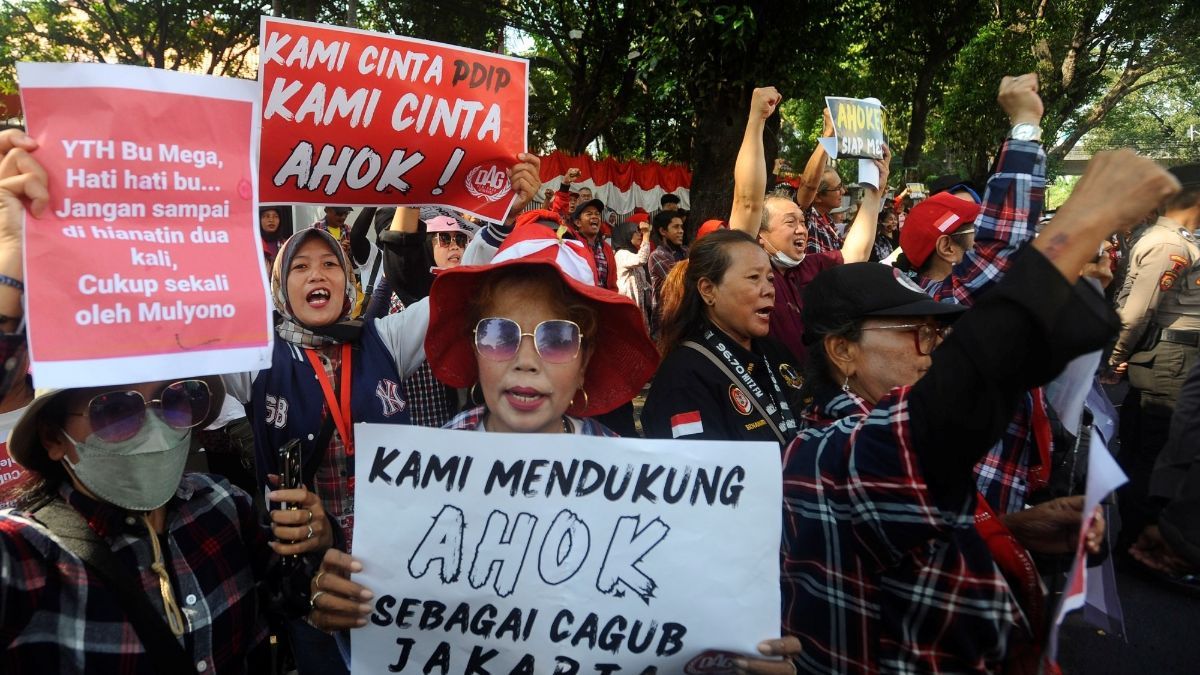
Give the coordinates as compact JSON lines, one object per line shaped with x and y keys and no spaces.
{"x":163,"y":649}
{"x":691,"y":344}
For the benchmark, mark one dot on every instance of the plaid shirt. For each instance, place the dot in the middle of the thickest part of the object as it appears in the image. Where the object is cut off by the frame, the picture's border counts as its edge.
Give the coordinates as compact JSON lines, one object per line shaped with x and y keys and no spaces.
{"x":472,"y":420}
{"x":1011,"y":207}
{"x":879,"y":573}
{"x":334,"y":479}
{"x":822,"y":233}
{"x":430,"y":403}
{"x":56,"y":616}
{"x":662,"y":259}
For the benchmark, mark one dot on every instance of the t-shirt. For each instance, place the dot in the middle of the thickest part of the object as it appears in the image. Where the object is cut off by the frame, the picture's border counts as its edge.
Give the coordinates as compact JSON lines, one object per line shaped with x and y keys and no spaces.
{"x":787,"y":327}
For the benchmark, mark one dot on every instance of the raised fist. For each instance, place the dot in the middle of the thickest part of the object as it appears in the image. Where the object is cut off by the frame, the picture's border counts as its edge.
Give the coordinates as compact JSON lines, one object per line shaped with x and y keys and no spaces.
{"x":1019,"y":98}
{"x":764,"y":101}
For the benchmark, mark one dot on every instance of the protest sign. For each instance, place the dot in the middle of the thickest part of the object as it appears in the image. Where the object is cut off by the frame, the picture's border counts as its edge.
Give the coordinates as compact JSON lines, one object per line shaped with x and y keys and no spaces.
{"x":541,"y":553}
{"x":857,"y":126}
{"x":356,"y":118}
{"x":147,"y":265}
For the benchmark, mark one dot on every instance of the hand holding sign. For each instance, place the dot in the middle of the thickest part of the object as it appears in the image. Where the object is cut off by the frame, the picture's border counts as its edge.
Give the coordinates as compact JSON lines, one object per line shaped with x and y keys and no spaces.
{"x":22,"y":179}
{"x":1019,"y":98}
{"x":525,"y":179}
{"x":338,"y":603}
{"x":785,"y":647}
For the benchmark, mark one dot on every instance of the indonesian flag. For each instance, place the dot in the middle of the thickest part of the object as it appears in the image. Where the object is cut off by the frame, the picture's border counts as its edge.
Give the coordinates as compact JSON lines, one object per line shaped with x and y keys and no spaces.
{"x":686,"y":424}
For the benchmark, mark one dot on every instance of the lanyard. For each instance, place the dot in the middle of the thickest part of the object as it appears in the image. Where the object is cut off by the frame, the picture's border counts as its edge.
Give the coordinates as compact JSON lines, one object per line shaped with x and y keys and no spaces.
{"x":1015,"y":564}
{"x":340,"y":411}
{"x":774,"y":404}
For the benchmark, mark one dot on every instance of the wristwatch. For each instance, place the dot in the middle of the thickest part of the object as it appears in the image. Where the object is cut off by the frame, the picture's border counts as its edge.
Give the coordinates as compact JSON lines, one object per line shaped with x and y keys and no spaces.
{"x":1026,"y":132}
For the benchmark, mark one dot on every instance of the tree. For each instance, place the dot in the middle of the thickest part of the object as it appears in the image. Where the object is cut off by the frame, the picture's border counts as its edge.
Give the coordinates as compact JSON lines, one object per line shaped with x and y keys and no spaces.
{"x":909,"y":51}
{"x":214,"y":37}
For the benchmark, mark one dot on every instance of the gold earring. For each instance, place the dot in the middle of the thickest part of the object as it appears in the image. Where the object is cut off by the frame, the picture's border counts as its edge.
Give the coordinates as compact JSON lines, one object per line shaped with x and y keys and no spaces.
{"x":585,"y":399}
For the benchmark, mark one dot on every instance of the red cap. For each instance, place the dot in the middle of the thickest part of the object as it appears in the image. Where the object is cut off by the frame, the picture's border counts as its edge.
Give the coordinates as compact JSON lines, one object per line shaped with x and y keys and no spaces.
{"x":709,"y":227}
{"x":942,"y":213}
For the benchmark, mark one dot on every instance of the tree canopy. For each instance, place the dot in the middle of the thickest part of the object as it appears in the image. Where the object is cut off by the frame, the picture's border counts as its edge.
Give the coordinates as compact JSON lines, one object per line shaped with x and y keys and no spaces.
{"x":669,"y":80}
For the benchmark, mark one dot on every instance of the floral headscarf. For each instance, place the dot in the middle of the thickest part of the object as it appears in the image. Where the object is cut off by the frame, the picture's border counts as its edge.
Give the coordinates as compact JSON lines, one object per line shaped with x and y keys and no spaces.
{"x":290,"y":329}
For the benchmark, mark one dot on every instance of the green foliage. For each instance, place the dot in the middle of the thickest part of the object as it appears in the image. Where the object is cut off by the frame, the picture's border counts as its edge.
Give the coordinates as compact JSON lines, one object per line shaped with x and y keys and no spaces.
{"x":213,"y":36}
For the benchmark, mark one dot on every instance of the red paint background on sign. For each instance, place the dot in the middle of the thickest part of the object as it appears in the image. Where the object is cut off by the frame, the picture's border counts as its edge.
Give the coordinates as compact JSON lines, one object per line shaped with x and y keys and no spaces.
{"x":55,"y":262}
{"x":488,"y":159}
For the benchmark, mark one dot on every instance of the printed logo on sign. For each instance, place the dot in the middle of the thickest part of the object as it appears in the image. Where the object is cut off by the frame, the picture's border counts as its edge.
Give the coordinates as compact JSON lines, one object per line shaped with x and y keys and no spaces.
{"x":488,"y":181}
{"x":738,"y":398}
{"x":389,"y":395}
{"x":710,"y":663}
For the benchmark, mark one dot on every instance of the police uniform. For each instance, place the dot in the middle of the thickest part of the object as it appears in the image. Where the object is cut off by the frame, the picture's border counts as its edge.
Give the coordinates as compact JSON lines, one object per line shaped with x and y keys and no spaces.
{"x":1160,"y":311}
{"x":692,"y":398}
{"x":1159,"y":306}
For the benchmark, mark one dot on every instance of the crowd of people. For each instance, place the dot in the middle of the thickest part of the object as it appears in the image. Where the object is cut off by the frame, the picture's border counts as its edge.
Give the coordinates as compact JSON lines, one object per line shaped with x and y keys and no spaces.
{"x":898,"y":360}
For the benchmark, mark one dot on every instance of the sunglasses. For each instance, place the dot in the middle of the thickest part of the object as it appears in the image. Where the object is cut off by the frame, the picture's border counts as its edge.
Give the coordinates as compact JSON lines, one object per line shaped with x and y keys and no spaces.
{"x":925,"y":336}
{"x":118,"y":416}
{"x":556,"y":341}
{"x":459,"y":239}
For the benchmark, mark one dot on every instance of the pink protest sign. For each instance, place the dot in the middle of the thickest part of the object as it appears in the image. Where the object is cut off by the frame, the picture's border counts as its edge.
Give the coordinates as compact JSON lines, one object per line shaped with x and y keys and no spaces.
{"x":147,"y":264}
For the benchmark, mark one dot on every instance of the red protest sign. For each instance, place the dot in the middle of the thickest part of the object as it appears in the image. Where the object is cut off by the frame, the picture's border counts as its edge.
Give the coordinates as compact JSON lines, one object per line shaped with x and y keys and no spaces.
{"x":356,"y":118}
{"x":147,"y":264}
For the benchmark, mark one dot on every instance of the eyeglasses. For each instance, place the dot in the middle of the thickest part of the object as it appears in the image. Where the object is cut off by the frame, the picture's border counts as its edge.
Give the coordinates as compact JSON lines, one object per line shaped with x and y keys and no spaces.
{"x":459,"y":239}
{"x":117,"y":416}
{"x":840,"y":187}
{"x":925,"y":336}
{"x":556,"y":341}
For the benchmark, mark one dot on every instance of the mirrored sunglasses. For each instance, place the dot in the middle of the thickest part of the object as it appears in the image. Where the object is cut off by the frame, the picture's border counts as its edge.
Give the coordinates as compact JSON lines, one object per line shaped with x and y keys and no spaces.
{"x":499,"y":339}
{"x":118,"y":416}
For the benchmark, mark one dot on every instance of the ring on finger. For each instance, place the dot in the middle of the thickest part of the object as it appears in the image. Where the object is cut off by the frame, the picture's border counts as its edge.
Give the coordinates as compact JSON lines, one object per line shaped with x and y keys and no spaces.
{"x":317,"y":580}
{"x":312,"y":602}
{"x":310,"y":532}
{"x":309,"y":521}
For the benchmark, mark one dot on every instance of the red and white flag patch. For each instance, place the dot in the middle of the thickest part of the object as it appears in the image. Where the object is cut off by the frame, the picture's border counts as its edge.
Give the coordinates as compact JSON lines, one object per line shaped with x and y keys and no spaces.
{"x":947,"y":221}
{"x":686,"y":424}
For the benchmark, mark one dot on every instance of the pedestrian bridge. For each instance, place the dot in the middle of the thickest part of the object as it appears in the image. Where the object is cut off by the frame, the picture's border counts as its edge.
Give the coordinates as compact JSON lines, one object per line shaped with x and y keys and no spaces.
{"x":1169,"y":153}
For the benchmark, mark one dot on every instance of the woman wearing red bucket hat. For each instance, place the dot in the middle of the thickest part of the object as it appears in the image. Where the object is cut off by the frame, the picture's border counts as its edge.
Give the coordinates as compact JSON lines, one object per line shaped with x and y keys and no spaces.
{"x":542,"y":288}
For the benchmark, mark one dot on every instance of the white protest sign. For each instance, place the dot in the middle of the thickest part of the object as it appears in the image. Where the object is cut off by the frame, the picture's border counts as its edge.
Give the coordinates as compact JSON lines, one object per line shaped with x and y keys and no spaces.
{"x":548,"y":553}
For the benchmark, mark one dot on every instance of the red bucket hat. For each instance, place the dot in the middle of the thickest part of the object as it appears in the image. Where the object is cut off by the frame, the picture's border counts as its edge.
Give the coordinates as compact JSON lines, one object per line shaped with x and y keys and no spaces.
{"x":624,"y":357}
{"x":941,"y":214}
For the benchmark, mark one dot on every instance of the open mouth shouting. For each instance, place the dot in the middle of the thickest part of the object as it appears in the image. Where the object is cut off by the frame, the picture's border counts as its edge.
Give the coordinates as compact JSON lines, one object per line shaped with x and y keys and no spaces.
{"x":318,"y":298}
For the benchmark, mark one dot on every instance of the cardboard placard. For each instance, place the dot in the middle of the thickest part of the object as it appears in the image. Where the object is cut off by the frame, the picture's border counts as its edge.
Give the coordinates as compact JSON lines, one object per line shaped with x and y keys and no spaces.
{"x":357,"y":118}
{"x":546,"y":553}
{"x":147,"y":265}
{"x":858,"y":127}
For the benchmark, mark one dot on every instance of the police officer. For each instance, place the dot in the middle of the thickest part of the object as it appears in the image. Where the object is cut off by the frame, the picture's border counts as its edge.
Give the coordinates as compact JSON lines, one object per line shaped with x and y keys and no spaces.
{"x":1159,"y":306}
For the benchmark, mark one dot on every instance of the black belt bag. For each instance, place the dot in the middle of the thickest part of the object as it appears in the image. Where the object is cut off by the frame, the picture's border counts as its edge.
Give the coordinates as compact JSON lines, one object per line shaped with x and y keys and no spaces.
{"x":1190,"y":338}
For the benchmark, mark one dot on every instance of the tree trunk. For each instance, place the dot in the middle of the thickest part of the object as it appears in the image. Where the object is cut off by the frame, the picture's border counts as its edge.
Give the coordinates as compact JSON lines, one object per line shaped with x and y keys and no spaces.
{"x":920,"y":115}
{"x":720,"y":125}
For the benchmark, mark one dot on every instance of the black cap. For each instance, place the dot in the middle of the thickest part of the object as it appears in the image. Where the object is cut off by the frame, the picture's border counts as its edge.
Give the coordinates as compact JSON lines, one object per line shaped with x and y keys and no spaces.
{"x":855,"y":291}
{"x":583,"y":205}
{"x":1188,"y":175}
{"x":669,"y":199}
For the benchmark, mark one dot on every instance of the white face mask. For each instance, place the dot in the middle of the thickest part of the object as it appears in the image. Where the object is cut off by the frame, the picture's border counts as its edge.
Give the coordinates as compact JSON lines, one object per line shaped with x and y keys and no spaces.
{"x":784,"y":260}
{"x":139,"y":474}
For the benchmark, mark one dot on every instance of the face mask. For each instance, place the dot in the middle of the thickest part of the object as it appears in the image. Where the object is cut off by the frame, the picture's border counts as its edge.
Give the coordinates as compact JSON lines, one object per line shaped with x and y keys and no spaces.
{"x":139,"y":474}
{"x":784,"y":260}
